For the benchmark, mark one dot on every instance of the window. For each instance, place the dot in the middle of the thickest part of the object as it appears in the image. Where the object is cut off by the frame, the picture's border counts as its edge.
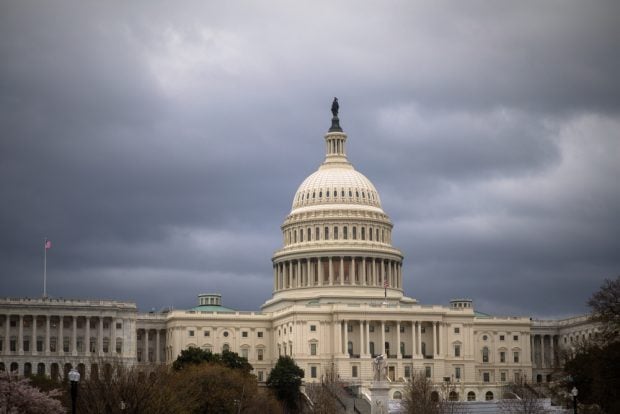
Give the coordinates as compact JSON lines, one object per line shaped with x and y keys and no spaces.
{"x":402,"y":329}
{"x":259,"y":354}
{"x":502,"y":356}
{"x":457,"y":330}
{"x":349,"y":328}
{"x":313,"y":373}
{"x":515,"y":357}
{"x":471,"y":396}
{"x":457,"y":372}
{"x":354,"y":371}
{"x":488,"y":396}
{"x":422,"y":330}
{"x":363,"y":233}
{"x":370,"y":234}
{"x":261,"y":376}
{"x":259,"y":334}
{"x":335,"y":233}
{"x":226,"y":348}
{"x":119,"y":325}
{"x":301,"y":235}
{"x":485,"y":354}
{"x":371,"y":347}
{"x":428,"y":371}
{"x":484,"y":337}
{"x":345,"y":233}
{"x":312,"y":328}
{"x":309,"y":234}
{"x":407,"y":371}
{"x":486,"y":377}
{"x":225,"y":334}
{"x":387,"y":328}
{"x":354,"y":233}
{"x":326,"y":233}
{"x":457,"y":350}
{"x":501,"y":337}
{"x":207,"y":333}
{"x":397,"y":395}
{"x":244,"y":353}
{"x":316,"y":234}
{"x":502,"y":376}
{"x":371,"y":328}
{"x":516,"y":338}
{"x":244,"y":334}
{"x":313,"y":348}
{"x":190,"y":333}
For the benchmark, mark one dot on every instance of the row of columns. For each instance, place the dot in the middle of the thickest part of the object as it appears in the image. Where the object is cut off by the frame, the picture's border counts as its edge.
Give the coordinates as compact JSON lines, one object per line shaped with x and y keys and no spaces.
{"x":59,"y":334}
{"x":546,"y":351}
{"x":144,"y":345}
{"x":341,"y":332}
{"x":310,"y":272}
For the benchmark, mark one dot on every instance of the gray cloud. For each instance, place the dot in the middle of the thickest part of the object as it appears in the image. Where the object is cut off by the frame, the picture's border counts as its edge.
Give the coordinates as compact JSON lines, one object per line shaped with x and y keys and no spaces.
{"x":160,"y":147}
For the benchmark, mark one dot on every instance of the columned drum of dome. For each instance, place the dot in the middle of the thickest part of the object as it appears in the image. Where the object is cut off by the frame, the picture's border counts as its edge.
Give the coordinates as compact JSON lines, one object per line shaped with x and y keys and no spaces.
{"x":337,"y":238}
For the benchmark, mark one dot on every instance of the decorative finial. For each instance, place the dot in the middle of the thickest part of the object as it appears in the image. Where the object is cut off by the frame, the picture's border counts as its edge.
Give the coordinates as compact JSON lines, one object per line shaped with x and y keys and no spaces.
{"x":335,"y":121}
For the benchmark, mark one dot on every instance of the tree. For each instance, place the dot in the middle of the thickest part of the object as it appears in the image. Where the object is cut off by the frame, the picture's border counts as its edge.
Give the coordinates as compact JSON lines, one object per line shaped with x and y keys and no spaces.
{"x":196,"y":356}
{"x":520,"y":398}
{"x":285,"y":380}
{"x":19,"y":396}
{"x":423,"y":397}
{"x":323,"y":395}
{"x":605,"y":305}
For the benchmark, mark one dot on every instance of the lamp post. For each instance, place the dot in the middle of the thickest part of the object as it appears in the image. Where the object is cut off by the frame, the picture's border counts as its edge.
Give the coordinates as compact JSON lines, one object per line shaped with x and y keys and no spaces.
{"x":574,"y":392}
{"x":74,"y":378}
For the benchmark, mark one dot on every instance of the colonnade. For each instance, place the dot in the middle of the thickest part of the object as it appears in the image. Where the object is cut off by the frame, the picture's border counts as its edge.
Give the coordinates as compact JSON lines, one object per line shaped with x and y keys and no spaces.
{"x":337,"y":270}
{"x":544,"y":350}
{"x":150,"y":345}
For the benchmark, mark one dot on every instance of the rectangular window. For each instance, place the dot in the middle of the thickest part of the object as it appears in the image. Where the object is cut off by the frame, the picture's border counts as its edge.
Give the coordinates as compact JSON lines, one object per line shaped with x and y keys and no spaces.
{"x":457,"y":372}
{"x":516,"y":338}
{"x":402,"y":329}
{"x":316,"y":234}
{"x":501,"y":337}
{"x":244,"y":334}
{"x":428,"y":371}
{"x":422,"y":330}
{"x":486,"y":377}
{"x":326,"y":233}
{"x":457,"y":330}
{"x":313,"y":372}
{"x":371,"y":328}
{"x":313,"y":349}
{"x":119,"y":325}
{"x":349,"y":328}
{"x":259,"y":354}
{"x":335,"y":233}
{"x":502,"y":376}
{"x":244,"y":353}
{"x":191,"y":333}
{"x":40,"y":346}
{"x":207,"y":333}
{"x":312,"y":328}
{"x":261,"y":376}
{"x":387,"y":328}
{"x":457,"y":350}
{"x":354,"y":233}
{"x":515,"y":357}
{"x":259,"y":334}
{"x":502,"y":356}
{"x":407,"y":371}
{"x":517,"y":376}
{"x":26,"y":345}
{"x":354,"y":371}
{"x":345,"y":233}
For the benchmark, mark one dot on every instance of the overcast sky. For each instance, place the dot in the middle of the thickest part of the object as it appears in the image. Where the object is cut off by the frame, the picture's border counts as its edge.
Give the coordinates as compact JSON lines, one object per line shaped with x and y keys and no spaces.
{"x":159,"y":144}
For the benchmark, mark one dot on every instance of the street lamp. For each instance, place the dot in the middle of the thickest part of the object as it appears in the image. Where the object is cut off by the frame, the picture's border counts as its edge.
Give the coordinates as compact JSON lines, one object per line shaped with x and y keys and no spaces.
{"x":574,"y":392}
{"x":74,"y":378}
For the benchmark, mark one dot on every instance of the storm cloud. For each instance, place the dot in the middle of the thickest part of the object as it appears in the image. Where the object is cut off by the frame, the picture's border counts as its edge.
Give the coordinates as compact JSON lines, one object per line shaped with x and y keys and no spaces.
{"x":159,"y":146}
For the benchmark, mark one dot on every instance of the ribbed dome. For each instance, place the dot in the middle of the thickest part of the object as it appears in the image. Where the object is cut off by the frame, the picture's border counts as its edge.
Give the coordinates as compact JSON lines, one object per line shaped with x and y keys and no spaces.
{"x":336,"y":185}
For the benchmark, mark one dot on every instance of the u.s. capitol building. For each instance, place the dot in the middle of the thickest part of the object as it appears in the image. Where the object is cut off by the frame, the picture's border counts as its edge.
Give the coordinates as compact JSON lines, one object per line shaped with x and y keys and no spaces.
{"x":337,"y":302}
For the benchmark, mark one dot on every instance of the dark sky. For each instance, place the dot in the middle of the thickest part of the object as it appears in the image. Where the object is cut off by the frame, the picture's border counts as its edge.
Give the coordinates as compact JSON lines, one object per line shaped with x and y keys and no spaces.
{"x":159,"y":144}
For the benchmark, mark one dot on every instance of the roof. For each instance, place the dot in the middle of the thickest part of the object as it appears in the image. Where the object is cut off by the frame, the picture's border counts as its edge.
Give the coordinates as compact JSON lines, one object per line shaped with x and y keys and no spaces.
{"x":479,"y":314}
{"x":212,"y":308}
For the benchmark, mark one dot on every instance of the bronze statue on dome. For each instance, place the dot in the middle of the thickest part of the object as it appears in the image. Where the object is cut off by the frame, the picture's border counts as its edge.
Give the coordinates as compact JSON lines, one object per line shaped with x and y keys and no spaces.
{"x":335,"y":107}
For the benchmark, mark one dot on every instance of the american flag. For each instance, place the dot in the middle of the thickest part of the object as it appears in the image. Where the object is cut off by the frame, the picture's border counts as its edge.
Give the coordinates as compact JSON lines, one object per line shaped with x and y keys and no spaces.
{"x":48,"y":244}
{"x":385,"y":283}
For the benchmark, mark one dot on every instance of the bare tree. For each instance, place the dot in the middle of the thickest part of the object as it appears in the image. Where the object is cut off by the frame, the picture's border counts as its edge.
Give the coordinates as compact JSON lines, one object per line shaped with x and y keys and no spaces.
{"x":323,"y":395}
{"x":424,"y":397}
{"x":521,"y":398}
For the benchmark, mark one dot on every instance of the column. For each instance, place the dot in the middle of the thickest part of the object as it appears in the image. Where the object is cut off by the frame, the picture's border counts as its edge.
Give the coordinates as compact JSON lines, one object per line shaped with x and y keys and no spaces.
{"x":20,"y":335}
{"x":434,"y":339}
{"x":60,"y":340}
{"x":383,"y":272}
{"x":33,"y":340}
{"x":157,"y":346}
{"x":74,"y":337}
{"x":346,"y":338}
{"x":100,"y":337}
{"x":145,"y":353}
{"x":7,"y":335}
{"x":341,"y":270}
{"x":319,"y":263}
{"x":112,"y":346}
{"x":398,"y":354}
{"x":361,"y":338}
{"x":552,"y":351}
{"x":382,"y":347}
{"x":364,"y":274}
{"x":47,"y":334}
{"x":419,"y":337}
{"x":543,"y":360}
{"x":337,"y":338}
{"x":532,"y":348}
{"x":367,"y":337}
{"x":87,"y":335}
{"x":389,"y":274}
{"x":352,"y":271}
{"x":331,"y":272}
{"x":275,"y":277}
{"x":413,"y":339}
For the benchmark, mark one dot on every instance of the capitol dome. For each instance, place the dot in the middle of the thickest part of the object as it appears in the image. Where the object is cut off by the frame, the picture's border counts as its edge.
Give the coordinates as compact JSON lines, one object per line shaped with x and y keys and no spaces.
{"x":337,"y":240}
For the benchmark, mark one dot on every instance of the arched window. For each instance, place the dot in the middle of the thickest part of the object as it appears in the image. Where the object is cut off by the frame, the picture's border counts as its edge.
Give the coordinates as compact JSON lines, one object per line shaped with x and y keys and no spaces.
{"x":295,"y":236}
{"x":317,"y":234}
{"x":301,"y":236}
{"x":397,"y":395}
{"x":309,"y":234}
{"x":326,"y":233}
{"x":370,"y":234}
{"x":345,"y":233}
{"x":485,"y":354}
{"x":327,"y":194}
{"x":226,"y":348}
{"x":453,"y":396}
{"x":354,"y":233}
{"x":434,"y":396}
{"x":41,"y":369}
{"x":335,"y":232}
{"x":488,"y":396}
{"x":363,"y":233}
{"x":377,"y":234}
{"x":471,"y":396}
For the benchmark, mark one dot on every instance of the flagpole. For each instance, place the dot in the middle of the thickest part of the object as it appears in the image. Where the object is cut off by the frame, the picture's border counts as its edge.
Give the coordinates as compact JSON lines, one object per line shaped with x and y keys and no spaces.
{"x":45,"y":268}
